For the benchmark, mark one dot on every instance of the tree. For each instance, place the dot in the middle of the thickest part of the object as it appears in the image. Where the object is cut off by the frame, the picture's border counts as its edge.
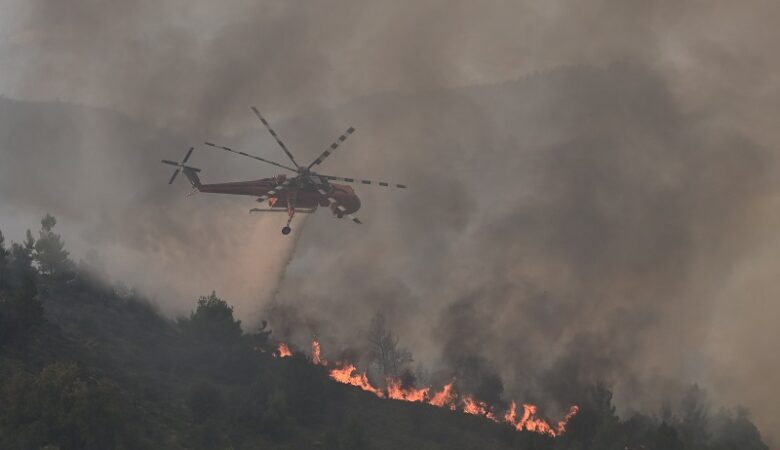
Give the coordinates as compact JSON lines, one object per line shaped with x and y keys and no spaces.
{"x":4,"y":255}
{"x":20,"y":268}
{"x":21,"y":312}
{"x":213,"y":320}
{"x":735,"y":431}
{"x":384,"y":350}
{"x":20,"y":309}
{"x":62,"y":407}
{"x":261,"y":336}
{"x":50,"y":253}
{"x":595,"y":425}
{"x":694,"y":418}
{"x":666,"y":438}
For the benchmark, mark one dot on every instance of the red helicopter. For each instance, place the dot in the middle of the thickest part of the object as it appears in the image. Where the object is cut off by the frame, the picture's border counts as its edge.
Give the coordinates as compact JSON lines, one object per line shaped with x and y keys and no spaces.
{"x":302,"y":192}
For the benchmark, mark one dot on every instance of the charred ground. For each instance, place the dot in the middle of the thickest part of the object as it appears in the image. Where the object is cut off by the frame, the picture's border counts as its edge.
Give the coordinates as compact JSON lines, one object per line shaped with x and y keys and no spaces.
{"x":88,"y":365}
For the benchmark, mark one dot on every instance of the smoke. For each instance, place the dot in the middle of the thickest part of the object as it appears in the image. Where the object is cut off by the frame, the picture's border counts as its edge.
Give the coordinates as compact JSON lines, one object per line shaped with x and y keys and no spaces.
{"x":591,"y":187}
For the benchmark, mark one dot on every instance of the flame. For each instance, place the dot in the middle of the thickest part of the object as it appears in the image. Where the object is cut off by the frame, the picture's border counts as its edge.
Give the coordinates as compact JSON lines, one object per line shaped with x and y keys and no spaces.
{"x":529,"y":420}
{"x":474,"y":406}
{"x":562,"y":424}
{"x":511,"y":414}
{"x":345,"y":375}
{"x":396,"y":392}
{"x":315,"y":354}
{"x":284,"y":350}
{"x":445,"y":397}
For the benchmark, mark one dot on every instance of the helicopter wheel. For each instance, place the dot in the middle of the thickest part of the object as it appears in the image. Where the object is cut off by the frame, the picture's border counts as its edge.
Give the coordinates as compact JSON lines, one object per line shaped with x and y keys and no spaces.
{"x":286,"y":230}
{"x":340,"y":215}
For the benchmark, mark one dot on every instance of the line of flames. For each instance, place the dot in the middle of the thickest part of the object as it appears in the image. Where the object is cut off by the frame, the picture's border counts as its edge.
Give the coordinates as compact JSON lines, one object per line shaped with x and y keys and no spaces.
{"x":445,"y":398}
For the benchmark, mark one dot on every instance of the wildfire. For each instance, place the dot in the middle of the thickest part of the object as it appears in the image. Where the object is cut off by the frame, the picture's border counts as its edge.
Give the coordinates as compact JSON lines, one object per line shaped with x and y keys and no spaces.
{"x":565,"y":421}
{"x":473,"y":406}
{"x":283,"y":351}
{"x":531,"y":422}
{"x":397,"y":392}
{"x":315,"y":354}
{"x":445,"y":398}
{"x":346,"y":375}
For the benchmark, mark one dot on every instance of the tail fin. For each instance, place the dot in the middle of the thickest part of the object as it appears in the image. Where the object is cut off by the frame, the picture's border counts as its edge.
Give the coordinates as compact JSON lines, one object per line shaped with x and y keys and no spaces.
{"x":192,"y":174}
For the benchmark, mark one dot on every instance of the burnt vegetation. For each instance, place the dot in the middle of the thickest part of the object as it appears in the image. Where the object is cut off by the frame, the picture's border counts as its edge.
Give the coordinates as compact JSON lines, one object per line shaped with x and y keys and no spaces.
{"x":85,"y":364}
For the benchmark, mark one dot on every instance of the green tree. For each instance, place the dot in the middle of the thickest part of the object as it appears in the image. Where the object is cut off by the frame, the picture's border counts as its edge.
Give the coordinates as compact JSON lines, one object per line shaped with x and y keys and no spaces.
{"x":4,"y":256}
{"x":21,"y":264}
{"x":213,"y":320}
{"x":20,"y":311}
{"x":61,"y":407}
{"x":50,"y":253}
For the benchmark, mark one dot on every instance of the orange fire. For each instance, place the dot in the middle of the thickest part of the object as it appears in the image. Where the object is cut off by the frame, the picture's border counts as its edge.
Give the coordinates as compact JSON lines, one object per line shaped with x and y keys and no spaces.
{"x":531,"y":422}
{"x":345,"y":375}
{"x":283,"y":351}
{"x":315,"y":354}
{"x":397,"y":392}
{"x":446,"y":398}
{"x":562,"y":424}
{"x":474,"y":406}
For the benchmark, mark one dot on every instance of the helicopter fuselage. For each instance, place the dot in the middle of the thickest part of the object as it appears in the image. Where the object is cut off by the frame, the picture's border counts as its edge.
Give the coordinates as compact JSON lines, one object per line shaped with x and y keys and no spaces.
{"x":306,"y":196}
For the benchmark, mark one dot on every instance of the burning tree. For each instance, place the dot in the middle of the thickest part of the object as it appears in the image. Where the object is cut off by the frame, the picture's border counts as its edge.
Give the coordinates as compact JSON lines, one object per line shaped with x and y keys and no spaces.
{"x":384,"y":349}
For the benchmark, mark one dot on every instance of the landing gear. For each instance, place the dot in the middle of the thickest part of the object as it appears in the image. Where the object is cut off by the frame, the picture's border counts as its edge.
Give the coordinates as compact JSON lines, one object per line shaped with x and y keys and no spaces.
{"x":286,"y":230}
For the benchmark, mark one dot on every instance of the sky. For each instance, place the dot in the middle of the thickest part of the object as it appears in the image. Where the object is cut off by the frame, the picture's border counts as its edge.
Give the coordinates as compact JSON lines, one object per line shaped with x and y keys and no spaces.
{"x":592,"y":184}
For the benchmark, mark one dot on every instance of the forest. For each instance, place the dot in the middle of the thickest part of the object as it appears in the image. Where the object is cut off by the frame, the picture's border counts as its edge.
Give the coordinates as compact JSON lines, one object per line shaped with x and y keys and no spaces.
{"x":90,"y":364}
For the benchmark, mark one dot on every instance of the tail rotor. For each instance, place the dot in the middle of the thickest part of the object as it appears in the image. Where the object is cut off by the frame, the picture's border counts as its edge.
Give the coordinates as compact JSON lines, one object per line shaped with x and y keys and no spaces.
{"x":180,"y":166}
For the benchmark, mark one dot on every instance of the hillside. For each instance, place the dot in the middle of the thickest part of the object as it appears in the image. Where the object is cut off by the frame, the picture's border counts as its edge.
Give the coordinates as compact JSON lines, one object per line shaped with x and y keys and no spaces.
{"x":85,"y":365}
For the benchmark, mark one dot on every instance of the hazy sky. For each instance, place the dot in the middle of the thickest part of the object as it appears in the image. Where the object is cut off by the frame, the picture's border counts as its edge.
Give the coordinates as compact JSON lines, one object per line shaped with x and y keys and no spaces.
{"x":592,"y":183}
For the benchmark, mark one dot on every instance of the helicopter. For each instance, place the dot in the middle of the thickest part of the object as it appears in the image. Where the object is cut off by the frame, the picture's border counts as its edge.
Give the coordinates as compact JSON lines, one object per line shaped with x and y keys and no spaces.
{"x":301,"y":192}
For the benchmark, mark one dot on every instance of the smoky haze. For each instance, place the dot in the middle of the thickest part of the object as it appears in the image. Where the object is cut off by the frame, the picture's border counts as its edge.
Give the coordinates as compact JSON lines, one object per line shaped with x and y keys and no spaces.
{"x":592,"y":191}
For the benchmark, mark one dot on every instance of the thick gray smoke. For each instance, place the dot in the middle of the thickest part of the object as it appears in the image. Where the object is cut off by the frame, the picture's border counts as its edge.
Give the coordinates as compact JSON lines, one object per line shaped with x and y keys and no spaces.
{"x":592,"y":186}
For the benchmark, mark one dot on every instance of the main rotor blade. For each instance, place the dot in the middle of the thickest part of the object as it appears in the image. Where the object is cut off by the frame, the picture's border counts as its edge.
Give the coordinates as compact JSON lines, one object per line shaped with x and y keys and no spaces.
{"x":333,"y":147}
{"x":273,"y":133}
{"x":251,"y":156}
{"x":274,"y":191}
{"x":355,"y":180}
{"x":338,"y":206}
{"x":175,"y":174}
{"x":186,"y":157}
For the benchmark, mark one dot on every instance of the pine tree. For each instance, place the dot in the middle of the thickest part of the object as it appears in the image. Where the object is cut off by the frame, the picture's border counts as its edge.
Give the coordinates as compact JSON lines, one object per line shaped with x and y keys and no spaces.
{"x":50,"y":253}
{"x":4,"y":255}
{"x":20,"y":267}
{"x":213,"y":320}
